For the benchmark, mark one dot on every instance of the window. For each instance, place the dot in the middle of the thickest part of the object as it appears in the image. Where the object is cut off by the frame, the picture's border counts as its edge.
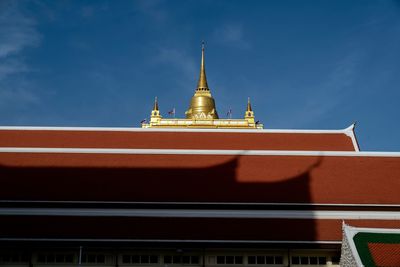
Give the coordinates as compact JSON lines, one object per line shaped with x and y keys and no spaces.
{"x":251,"y":260}
{"x":321,"y":260}
{"x":313,"y":260}
{"x":238,"y":260}
{"x":50,"y":258}
{"x":220,"y":259}
{"x":260,"y":259}
{"x":93,"y":258}
{"x":278,"y":259}
{"x":229,"y":259}
{"x":176,"y":259}
{"x":41,"y":258}
{"x":304,"y":260}
{"x":13,"y":257}
{"x":139,"y":259}
{"x":69,"y":258}
{"x":168,"y":259}
{"x":135,"y":259}
{"x":186,"y":259}
{"x":265,"y":260}
{"x":194,"y":259}
{"x":336,"y":259}
{"x":309,"y":260}
{"x":179,"y":259}
{"x":144,"y":259}
{"x":153,"y":259}
{"x":55,"y":258}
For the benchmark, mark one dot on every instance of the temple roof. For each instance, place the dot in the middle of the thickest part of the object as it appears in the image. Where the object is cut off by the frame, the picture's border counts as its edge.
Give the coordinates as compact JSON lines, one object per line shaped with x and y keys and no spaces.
{"x":191,"y":194}
{"x":212,"y":176}
{"x":264,"y":184}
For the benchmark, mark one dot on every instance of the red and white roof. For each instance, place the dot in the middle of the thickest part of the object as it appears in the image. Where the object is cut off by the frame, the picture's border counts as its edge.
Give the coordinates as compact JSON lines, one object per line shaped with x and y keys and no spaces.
{"x":86,"y":137}
{"x":234,"y":186}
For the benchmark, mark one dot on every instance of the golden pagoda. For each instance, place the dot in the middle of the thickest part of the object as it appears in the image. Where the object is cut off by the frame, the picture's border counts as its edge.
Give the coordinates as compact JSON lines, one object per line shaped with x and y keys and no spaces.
{"x":202,"y":112}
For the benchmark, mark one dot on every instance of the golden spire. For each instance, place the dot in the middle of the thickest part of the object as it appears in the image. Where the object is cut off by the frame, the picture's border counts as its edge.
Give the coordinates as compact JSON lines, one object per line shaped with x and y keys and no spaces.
{"x":248,"y":105}
{"x":202,"y":84}
{"x":155,"y":104}
{"x":249,"y":114}
{"x":155,"y":113}
{"x":202,"y":105}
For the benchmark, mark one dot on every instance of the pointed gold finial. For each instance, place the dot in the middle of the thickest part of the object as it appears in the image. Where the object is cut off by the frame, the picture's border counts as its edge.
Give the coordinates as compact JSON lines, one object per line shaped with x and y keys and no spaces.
{"x":202,"y":84}
{"x":248,"y":104}
{"x":155,"y":116}
{"x":155,"y":104}
{"x":249,"y":114}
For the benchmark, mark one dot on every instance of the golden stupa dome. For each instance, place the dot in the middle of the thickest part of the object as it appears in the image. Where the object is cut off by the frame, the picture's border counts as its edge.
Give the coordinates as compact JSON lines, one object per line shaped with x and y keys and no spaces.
{"x":202,"y":105}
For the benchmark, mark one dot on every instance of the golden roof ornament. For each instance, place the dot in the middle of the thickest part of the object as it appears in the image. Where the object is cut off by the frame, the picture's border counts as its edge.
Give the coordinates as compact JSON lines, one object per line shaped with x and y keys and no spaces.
{"x":202,"y":112}
{"x":202,"y":105}
{"x":202,"y":83}
{"x":248,"y":105}
{"x":155,"y":107}
{"x":249,"y":114}
{"x":155,"y":117}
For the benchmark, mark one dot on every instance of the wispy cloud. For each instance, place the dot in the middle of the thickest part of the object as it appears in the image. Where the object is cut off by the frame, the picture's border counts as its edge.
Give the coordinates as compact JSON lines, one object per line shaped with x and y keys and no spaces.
{"x":177,"y":59}
{"x":17,"y":32}
{"x":328,"y":95}
{"x":153,"y":8}
{"x":89,"y":11}
{"x":9,"y":66}
{"x":18,"y":97}
{"x":231,"y":34}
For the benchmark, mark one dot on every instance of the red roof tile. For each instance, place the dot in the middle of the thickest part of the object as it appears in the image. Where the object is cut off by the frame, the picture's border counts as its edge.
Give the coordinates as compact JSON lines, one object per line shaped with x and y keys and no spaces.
{"x":385,"y":255}
{"x":257,"y":140}
{"x":205,"y":178}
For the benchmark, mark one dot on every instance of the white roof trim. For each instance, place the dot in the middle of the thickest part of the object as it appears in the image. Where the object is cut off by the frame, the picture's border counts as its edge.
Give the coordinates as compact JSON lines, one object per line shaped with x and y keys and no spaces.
{"x":196,"y":213}
{"x":206,"y":203}
{"x":174,"y":240}
{"x":350,"y":233}
{"x":133,"y":129}
{"x":197,"y":152}
{"x":349,"y":131}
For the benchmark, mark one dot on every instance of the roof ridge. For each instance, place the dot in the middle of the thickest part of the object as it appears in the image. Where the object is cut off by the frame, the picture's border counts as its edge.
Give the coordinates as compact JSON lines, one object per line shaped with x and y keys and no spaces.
{"x":347,"y":131}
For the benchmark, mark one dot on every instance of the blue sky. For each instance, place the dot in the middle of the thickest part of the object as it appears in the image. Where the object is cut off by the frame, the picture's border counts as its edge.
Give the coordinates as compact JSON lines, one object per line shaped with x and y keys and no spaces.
{"x":304,"y":64}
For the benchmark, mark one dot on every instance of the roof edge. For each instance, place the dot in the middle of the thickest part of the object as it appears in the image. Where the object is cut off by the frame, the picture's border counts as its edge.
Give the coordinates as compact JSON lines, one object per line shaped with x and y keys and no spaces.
{"x":350,"y":232}
{"x":228,"y":241}
{"x":353,"y":230}
{"x":134,"y":151}
{"x":347,"y":131}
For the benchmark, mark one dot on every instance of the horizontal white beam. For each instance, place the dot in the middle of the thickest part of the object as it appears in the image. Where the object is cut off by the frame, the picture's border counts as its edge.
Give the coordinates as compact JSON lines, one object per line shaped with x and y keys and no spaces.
{"x":172,"y":240}
{"x":132,"y":129}
{"x":197,"y":152}
{"x":182,"y":203}
{"x":186,"y":213}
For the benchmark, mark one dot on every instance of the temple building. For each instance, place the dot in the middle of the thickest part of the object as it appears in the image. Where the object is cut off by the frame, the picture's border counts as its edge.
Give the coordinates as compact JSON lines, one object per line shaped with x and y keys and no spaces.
{"x":156,"y":196}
